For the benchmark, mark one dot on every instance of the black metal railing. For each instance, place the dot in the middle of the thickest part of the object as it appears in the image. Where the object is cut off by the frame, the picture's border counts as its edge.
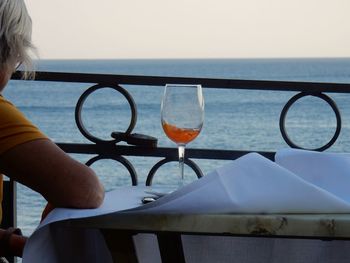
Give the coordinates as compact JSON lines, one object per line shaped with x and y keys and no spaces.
{"x":144,"y":145}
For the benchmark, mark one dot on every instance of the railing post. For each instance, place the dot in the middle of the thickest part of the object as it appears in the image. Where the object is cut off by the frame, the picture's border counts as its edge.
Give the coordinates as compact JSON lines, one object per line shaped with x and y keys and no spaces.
{"x":9,"y":207}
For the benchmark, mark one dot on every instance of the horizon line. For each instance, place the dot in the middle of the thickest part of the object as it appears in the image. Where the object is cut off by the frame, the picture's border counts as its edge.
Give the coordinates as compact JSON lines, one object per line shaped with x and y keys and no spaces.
{"x":218,"y":58}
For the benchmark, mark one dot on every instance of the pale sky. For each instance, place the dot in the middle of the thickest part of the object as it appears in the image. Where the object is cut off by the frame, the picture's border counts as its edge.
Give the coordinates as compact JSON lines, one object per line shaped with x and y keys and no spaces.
{"x":119,"y":29}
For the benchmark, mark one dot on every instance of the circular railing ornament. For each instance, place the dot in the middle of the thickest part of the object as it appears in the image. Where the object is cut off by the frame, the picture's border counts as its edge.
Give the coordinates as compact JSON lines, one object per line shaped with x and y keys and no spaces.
{"x":82,"y":99}
{"x":332,"y":104}
{"x":119,"y":159}
{"x":155,"y":168}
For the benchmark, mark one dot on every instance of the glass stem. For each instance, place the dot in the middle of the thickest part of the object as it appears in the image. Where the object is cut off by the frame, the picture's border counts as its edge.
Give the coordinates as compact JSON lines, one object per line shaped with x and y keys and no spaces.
{"x":181,"y":163}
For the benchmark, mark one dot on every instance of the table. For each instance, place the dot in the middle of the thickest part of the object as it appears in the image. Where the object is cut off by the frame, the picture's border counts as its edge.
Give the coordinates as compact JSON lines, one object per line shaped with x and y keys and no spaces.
{"x":121,"y":217}
{"x":299,"y":198}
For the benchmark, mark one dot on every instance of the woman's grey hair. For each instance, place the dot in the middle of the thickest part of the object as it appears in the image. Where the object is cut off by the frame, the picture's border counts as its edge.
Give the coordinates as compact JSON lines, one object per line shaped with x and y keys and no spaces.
{"x":15,"y":36}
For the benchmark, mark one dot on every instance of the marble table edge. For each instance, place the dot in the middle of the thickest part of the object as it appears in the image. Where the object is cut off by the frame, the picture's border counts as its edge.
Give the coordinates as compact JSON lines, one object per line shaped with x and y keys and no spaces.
{"x":318,"y":226}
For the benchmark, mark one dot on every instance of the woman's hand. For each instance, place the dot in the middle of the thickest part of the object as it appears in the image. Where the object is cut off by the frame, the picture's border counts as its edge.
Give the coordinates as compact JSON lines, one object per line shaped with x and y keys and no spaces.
{"x":12,"y":242}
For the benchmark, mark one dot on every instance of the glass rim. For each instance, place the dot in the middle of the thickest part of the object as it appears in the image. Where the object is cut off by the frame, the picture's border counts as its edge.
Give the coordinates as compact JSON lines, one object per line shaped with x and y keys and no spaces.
{"x":183,"y":85}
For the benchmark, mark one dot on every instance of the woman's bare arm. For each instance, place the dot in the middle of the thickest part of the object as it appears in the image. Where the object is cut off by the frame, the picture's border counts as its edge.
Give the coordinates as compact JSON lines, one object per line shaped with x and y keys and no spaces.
{"x":44,"y":167}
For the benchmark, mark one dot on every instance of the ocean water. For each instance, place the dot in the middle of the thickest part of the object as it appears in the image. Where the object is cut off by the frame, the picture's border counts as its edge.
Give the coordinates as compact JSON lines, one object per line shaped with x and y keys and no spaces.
{"x":234,"y":119}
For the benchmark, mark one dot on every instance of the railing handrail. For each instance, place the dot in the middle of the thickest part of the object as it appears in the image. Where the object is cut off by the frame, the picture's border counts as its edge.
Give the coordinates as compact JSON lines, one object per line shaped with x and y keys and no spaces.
{"x":127,"y":150}
{"x":218,"y":83}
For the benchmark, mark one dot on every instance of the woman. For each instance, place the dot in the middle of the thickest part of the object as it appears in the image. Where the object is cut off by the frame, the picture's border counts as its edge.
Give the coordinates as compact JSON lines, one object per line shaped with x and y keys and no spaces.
{"x":26,"y":154}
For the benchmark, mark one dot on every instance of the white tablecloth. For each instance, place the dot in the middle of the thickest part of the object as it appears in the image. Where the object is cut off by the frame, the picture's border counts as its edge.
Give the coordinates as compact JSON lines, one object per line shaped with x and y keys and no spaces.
{"x":298,"y":182}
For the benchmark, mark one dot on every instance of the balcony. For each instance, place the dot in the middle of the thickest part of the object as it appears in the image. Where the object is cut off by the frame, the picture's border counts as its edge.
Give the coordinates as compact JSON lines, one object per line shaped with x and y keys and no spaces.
{"x":122,"y":146}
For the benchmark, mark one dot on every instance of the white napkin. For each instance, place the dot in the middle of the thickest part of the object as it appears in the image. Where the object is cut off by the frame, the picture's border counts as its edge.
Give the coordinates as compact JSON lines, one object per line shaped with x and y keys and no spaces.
{"x":254,"y":184}
{"x":329,"y":171}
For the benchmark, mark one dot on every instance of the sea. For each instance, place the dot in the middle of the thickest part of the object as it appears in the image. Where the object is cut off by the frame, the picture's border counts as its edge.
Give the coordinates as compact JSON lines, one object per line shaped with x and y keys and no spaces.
{"x":234,"y":119}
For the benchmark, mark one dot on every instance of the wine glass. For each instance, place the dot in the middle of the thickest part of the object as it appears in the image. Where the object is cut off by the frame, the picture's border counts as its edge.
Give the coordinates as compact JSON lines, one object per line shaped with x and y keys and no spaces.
{"x":182,"y":116}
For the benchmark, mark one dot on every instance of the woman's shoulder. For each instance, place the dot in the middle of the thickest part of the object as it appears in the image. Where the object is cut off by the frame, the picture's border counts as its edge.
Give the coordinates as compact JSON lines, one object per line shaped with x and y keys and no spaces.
{"x":5,"y":103}
{"x":9,"y":112}
{"x":15,"y":128}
